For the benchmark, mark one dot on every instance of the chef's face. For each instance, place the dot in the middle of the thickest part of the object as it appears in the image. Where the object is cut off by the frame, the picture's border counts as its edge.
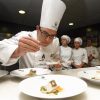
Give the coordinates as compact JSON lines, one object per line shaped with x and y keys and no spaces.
{"x":77,"y":44}
{"x":64,"y":42}
{"x":89,"y":42}
{"x":46,"y":36}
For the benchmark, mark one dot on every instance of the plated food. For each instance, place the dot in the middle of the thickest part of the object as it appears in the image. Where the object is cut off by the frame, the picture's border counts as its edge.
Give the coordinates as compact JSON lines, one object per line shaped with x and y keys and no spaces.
{"x":91,"y":75}
{"x":52,"y":86}
{"x":54,"y":65}
{"x":29,"y":72}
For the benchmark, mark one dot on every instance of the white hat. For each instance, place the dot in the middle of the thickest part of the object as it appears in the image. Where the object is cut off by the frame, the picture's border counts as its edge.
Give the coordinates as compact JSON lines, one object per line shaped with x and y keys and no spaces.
{"x":78,"y":39}
{"x":66,"y":37}
{"x":52,"y":13}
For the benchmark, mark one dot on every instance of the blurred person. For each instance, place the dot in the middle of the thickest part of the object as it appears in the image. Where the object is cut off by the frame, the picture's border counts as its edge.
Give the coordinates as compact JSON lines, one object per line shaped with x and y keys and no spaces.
{"x":99,"y":54}
{"x":99,"y":49}
{"x":79,"y":55}
{"x":93,"y":55}
{"x":31,"y":47}
{"x":65,"y":51}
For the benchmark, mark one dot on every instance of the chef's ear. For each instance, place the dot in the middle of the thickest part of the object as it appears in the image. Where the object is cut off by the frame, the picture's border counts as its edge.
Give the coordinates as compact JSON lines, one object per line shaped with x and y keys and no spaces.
{"x":37,"y":27}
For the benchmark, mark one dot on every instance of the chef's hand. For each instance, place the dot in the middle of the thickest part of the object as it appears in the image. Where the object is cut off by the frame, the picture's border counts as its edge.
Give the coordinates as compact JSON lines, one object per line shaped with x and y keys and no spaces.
{"x":58,"y":67}
{"x":90,"y":57}
{"x":78,"y":65}
{"x":26,"y":44}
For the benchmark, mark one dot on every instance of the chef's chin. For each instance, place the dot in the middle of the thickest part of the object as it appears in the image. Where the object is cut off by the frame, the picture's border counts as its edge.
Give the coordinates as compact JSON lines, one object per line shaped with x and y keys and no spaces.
{"x":44,"y":44}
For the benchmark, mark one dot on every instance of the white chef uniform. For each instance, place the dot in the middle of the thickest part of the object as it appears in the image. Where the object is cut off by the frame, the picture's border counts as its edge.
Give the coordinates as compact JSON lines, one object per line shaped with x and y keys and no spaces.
{"x":94,"y":52}
{"x":79,"y":55}
{"x":52,"y":12}
{"x":66,"y":52}
{"x":99,"y":53}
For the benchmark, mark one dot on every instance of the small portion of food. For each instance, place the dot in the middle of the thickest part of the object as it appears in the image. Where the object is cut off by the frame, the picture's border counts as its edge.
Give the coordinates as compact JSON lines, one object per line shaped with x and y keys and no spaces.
{"x":51,"y":63}
{"x":96,"y":76}
{"x":51,"y":87}
{"x":31,"y":73}
{"x":57,"y":66}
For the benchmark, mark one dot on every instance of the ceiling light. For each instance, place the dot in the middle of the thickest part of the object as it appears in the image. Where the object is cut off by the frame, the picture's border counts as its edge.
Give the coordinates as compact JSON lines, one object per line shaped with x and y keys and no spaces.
{"x":88,"y":29}
{"x":21,"y":11}
{"x":71,"y":24}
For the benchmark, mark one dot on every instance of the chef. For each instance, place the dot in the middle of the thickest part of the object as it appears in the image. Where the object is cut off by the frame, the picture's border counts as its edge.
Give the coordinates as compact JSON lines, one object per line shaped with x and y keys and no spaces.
{"x":99,"y":53}
{"x":65,"y":51}
{"x":93,"y":54}
{"x":79,"y":55}
{"x":41,"y":44}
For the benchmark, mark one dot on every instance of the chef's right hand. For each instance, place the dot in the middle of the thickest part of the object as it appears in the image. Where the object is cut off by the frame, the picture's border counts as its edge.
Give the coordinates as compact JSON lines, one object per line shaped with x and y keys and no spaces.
{"x":26,"y":44}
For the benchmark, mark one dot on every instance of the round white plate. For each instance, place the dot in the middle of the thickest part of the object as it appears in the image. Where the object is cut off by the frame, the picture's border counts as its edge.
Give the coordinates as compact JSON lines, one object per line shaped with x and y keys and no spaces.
{"x":3,"y":73}
{"x":71,"y":86}
{"x":22,"y":73}
{"x":89,"y":75}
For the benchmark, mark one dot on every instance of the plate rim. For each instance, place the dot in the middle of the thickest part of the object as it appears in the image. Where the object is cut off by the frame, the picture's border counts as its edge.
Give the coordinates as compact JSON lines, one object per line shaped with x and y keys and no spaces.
{"x":92,"y":80}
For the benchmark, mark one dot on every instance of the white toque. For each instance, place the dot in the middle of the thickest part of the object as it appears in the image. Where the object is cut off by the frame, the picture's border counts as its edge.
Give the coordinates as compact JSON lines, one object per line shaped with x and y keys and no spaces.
{"x":52,"y":13}
{"x":66,"y":37}
{"x":78,"y":39}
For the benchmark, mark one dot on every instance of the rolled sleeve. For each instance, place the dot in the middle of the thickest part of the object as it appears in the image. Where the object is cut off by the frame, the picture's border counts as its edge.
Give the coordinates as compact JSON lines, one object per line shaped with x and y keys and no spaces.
{"x":5,"y":54}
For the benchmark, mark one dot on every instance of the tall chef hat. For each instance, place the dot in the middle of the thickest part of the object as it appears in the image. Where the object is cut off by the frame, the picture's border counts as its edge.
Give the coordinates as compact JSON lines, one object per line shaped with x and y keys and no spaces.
{"x":66,"y":37}
{"x":52,"y":13}
{"x":78,"y":39}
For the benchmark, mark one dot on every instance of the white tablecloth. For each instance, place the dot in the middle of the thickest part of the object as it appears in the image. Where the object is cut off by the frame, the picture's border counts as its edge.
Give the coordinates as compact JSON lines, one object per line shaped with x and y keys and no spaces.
{"x":9,"y":88}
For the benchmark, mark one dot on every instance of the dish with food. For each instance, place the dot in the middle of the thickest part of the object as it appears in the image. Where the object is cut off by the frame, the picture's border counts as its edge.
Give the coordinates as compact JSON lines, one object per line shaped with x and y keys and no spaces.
{"x":29,"y":72}
{"x":52,"y":86}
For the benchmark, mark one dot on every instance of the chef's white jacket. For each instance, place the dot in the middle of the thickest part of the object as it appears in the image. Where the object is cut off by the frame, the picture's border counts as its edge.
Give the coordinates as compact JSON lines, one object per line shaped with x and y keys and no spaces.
{"x":66,"y":54}
{"x":94,"y":52}
{"x":79,"y":56}
{"x":8,"y":46}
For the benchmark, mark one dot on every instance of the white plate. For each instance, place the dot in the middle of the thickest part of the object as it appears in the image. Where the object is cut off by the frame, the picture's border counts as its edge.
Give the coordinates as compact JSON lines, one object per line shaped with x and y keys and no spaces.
{"x":22,"y":73}
{"x":89,"y":75}
{"x":98,"y":67}
{"x":3,"y":73}
{"x":71,"y":86}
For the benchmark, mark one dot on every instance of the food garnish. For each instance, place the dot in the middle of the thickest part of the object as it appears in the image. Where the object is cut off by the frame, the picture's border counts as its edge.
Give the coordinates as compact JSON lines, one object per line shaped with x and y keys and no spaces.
{"x":51,"y":87}
{"x":31,"y":73}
